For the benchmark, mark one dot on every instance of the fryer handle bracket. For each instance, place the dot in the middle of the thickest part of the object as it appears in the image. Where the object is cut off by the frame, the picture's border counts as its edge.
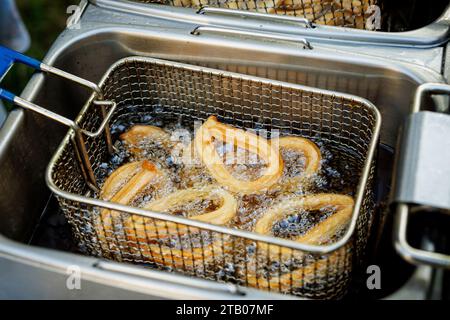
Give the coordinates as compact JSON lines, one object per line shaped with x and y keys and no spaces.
{"x":422,"y":173}
{"x":204,"y":10}
{"x":197,"y":31}
{"x":9,"y":57}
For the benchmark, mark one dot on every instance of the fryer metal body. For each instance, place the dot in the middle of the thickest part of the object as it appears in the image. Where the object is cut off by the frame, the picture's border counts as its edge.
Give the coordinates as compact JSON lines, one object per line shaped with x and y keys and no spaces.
{"x":88,"y":52}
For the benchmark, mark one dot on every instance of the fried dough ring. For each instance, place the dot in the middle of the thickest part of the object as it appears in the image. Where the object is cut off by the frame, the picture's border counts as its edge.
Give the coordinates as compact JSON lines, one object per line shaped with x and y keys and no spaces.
{"x":138,"y":133}
{"x":305,"y":146}
{"x":320,"y":232}
{"x":162,"y":229}
{"x":204,"y":143}
{"x":315,"y":236}
{"x":121,"y":187}
{"x":309,"y":149}
{"x":142,"y":233}
{"x":112,"y":190}
{"x":312,"y":156}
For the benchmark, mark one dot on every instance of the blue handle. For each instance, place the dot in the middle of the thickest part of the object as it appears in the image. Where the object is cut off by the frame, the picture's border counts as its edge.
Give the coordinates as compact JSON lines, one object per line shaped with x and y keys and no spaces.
{"x":9,"y":57}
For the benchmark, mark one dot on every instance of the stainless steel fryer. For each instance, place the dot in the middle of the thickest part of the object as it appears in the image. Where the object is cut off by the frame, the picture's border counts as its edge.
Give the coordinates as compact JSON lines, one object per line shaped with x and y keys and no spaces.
{"x":144,"y":85}
{"x":89,"y":52}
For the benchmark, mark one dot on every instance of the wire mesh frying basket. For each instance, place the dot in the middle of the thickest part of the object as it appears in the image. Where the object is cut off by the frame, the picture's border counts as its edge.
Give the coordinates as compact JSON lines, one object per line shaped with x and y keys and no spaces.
{"x":158,"y":88}
{"x":340,"y":13}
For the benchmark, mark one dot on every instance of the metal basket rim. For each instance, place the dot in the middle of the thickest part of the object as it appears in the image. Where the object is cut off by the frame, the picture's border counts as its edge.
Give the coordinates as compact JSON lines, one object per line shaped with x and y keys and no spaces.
{"x":320,"y":249}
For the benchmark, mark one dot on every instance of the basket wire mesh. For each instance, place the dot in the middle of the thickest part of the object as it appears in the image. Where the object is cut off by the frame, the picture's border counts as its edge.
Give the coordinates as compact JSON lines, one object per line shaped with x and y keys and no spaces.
{"x":340,"y":13}
{"x":168,"y":89}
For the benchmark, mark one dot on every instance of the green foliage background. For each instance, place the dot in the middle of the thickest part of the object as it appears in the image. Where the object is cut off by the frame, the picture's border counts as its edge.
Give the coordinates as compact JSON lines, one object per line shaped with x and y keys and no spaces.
{"x":44,"y":19}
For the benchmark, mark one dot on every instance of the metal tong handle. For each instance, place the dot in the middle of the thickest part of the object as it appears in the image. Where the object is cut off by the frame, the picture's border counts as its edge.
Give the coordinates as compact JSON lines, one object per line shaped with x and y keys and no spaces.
{"x":403,"y":208}
{"x":10,"y":57}
{"x":250,"y":14}
{"x":265,"y":35}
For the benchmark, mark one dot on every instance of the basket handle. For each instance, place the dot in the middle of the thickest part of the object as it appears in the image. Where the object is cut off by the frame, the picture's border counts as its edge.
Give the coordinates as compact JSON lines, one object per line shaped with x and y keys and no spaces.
{"x":9,"y":57}
{"x":250,"y":14}
{"x":422,"y":173}
{"x":238,"y":32}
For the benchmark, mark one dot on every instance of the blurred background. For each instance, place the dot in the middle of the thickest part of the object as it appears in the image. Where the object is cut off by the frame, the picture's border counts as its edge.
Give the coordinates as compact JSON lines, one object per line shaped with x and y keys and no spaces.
{"x":43,"y":20}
